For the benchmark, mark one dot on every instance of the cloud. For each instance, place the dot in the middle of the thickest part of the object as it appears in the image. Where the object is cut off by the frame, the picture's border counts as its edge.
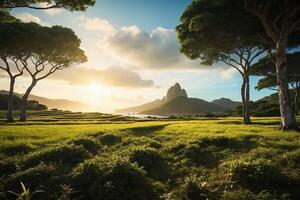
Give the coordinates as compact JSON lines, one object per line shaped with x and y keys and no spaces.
{"x":96,"y":24}
{"x":112,"y":76}
{"x":227,"y":73}
{"x":27,"y":17}
{"x":158,"y":49}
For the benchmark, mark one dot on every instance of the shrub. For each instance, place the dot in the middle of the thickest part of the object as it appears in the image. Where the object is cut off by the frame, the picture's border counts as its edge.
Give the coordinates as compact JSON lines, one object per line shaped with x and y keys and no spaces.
{"x":257,"y":176}
{"x":7,"y":167}
{"x":110,"y":139}
{"x":192,"y":191}
{"x":15,"y":149}
{"x":67,"y":154}
{"x":152,"y":162}
{"x":204,"y":156}
{"x":111,"y":180}
{"x":291,"y":159}
{"x":89,"y":144}
{"x":41,"y":176}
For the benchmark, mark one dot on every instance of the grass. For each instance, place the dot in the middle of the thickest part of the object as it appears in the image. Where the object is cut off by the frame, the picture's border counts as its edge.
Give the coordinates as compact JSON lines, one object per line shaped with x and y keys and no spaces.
{"x":196,"y":158}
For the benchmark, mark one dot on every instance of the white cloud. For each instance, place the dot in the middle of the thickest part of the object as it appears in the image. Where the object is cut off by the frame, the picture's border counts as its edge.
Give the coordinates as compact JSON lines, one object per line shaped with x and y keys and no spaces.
{"x":158,"y":49}
{"x":227,"y":73}
{"x":96,"y":24}
{"x":27,"y":17}
{"x":112,"y":76}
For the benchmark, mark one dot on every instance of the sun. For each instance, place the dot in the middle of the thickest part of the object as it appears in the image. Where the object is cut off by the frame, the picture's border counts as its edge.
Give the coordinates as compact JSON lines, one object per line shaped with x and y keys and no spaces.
{"x":96,"y":89}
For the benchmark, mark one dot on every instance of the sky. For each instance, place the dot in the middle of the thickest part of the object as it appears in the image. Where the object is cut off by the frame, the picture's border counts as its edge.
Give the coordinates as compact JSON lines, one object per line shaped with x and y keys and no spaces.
{"x":133,"y":57}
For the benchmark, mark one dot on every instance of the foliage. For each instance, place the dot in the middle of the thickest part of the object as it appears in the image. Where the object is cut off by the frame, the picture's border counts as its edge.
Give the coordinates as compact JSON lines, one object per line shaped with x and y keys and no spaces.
{"x":72,"y":5}
{"x":106,"y":179}
{"x":90,"y":144}
{"x":152,"y":162}
{"x":110,"y":139}
{"x":31,"y":104}
{"x":68,"y":154}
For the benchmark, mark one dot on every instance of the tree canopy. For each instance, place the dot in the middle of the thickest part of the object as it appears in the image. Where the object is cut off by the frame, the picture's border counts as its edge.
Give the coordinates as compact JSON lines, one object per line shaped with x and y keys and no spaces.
{"x":72,"y":5}
{"x":29,"y":41}
{"x":210,"y":29}
{"x":265,"y":67}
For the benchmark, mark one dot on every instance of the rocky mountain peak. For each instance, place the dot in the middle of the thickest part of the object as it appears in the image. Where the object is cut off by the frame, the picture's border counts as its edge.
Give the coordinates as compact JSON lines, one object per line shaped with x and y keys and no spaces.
{"x":175,"y":91}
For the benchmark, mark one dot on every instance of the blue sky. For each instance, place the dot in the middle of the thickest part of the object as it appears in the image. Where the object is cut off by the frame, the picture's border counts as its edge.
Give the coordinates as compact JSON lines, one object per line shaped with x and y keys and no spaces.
{"x":133,"y":56}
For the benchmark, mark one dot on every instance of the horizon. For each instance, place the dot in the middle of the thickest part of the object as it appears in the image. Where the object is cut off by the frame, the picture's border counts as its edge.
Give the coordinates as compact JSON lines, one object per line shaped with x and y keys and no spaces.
{"x":131,"y":59}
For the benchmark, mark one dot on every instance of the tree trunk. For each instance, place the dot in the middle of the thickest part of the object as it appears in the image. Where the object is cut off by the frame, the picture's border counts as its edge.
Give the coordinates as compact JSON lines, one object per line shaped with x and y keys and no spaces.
{"x":288,"y":118}
{"x":296,"y":98}
{"x":247,"y":119}
{"x":10,"y":100}
{"x":24,"y":101}
{"x":245,"y":93}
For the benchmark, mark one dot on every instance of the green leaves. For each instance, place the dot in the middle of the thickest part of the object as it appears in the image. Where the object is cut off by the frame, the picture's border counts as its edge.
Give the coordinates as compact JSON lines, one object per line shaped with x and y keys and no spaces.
{"x":72,"y":5}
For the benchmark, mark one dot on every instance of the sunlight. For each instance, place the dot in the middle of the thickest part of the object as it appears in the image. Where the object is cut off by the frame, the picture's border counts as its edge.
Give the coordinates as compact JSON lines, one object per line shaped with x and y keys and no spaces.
{"x":96,"y":90}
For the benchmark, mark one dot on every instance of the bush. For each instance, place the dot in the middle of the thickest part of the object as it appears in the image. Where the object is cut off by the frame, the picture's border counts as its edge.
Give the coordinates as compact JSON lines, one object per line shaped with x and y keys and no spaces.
{"x":257,"y":176}
{"x":67,"y":154}
{"x":199,"y":155}
{"x":291,"y":159}
{"x":7,"y":167}
{"x":39,"y":177}
{"x":152,"y":162}
{"x":109,"y":139}
{"x":111,"y":180}
{"x":192,"y":191}
{"x":89,"y":144}
{"x":15,"y":149}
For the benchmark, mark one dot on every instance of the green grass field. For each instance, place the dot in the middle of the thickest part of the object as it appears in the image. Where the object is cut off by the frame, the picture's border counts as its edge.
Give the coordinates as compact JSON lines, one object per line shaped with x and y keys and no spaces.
{"x":97,"y":156}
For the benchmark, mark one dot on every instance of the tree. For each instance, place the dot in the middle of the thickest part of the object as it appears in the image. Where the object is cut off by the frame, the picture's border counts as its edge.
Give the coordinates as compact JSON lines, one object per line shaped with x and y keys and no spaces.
{"x":209,"y":30}
{"x":14,"y":70}
{"x":281,"y":22}
{"x":40,"y":50}
{"x":72,"y":5}
{"x":265,"y":67}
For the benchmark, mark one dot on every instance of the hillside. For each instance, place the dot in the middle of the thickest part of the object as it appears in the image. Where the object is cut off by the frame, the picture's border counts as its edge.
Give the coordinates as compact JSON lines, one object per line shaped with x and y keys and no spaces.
{"x":61,"y":104}
{"x":182,"y":105}
{"x":64,"y":104}
{"x":141,"y":108}
{"x":226,"y":103}
{"x":176,"y":101}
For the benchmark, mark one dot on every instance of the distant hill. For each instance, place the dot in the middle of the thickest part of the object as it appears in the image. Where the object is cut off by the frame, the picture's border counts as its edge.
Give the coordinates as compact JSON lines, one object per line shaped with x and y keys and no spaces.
{"x":182,"y":105}
{"x":31,"y":104}
{"x":227,"y":103}
{"x":140,"y":108}
{"x":61,"y":104}
{"x":176,"y":101}
{"x":64,"y":104}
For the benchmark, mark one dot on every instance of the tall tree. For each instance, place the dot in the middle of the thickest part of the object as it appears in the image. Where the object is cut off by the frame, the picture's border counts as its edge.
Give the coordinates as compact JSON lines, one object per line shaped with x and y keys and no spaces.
{"x":203,"y":34}
{"x":40,"y":50}
{"x":10,"y":63}
{"x":266,"y":67}
{"x":72,"y":5}
{"x":281,"y":22}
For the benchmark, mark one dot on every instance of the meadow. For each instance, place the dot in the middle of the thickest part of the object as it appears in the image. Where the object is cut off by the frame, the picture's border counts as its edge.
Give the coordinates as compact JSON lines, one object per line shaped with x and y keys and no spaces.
{"x":65,"y":155}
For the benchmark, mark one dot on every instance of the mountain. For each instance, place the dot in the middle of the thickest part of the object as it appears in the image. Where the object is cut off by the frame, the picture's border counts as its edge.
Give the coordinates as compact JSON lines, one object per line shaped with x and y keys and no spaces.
{"x":227,"y":103}
{"x":174,"y":92}
{"x":61,"y":104}
{"x":140,"y":108}
{"x":176,"y":101}
{"x":64,"y":104}
{"x":182,"y":105}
